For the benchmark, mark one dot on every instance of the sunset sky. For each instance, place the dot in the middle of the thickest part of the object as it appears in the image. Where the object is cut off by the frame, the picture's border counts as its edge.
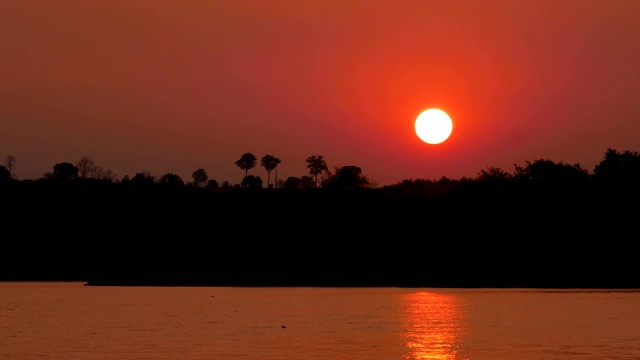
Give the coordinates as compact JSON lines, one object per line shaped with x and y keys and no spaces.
{"x":171,"y":86}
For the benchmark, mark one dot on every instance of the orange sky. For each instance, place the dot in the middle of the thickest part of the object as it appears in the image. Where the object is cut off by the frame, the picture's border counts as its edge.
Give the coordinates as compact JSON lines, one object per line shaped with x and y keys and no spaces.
{"x":172,"y":86}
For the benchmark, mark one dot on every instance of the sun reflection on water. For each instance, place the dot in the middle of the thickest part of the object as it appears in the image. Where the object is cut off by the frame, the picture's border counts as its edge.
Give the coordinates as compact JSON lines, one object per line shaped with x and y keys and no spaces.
{"x":433,"y":325}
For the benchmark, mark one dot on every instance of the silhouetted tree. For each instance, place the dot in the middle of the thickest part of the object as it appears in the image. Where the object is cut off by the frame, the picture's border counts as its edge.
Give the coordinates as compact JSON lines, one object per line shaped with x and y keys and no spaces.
{"x":269,"y":162}
{"x":97,"y":172}
{"x":143,"y":176}
{"x":492,"y":174}
{"x":550,"y":172}
{"x":292,"y":183}
{"x":199,"y":177}
{"x":5,"y":174}
{"x":102,"y":174}
{"x":307,"y":182}
{"x":142,"y":179}
{"x":171,"y":181}
{"x":316,"y":166}
{"x":346,"y":177}
{"x":371,"y":184}
{"x":247,"y":162}
{"x":85,"y":167}
{"x":10,"y":163}
{"x":212,"y":184}
{"x":618,"y":166}
{"x":64,"y":171}
{"x":252,"y":182}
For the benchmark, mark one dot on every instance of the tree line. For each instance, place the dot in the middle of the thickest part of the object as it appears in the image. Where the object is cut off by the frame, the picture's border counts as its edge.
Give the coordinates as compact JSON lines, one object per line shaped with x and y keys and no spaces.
{"x":545,"y":224}
{"x":319,"y":174}
{"x":619,"y":167}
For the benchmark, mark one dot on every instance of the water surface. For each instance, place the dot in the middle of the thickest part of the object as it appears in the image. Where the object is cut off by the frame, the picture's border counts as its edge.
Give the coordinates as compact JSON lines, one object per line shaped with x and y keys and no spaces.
{"x":72,"y":321}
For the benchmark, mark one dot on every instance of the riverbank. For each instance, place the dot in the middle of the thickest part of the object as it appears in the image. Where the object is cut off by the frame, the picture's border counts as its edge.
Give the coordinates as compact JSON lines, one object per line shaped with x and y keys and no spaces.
{"x":359,"y":238}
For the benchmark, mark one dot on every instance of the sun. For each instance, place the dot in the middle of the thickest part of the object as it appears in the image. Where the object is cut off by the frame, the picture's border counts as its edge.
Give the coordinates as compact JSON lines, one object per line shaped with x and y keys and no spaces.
{"x":433,"y":126}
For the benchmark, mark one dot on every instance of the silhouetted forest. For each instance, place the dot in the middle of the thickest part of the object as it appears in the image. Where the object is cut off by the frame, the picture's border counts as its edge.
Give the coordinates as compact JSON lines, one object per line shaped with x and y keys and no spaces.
{"x":546,"y":225}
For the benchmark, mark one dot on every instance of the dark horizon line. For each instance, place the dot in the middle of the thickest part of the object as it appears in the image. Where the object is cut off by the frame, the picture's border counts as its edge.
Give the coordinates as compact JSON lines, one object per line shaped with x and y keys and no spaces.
{"x":112,"y":177}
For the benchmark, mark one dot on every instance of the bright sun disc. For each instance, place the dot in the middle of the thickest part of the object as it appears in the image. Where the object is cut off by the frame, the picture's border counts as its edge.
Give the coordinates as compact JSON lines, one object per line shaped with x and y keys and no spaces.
{"x":433,"y":126}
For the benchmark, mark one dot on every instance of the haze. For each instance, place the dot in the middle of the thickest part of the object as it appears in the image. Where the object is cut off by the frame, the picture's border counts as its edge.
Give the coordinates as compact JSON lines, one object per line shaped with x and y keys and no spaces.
{"x":173,"y":86}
